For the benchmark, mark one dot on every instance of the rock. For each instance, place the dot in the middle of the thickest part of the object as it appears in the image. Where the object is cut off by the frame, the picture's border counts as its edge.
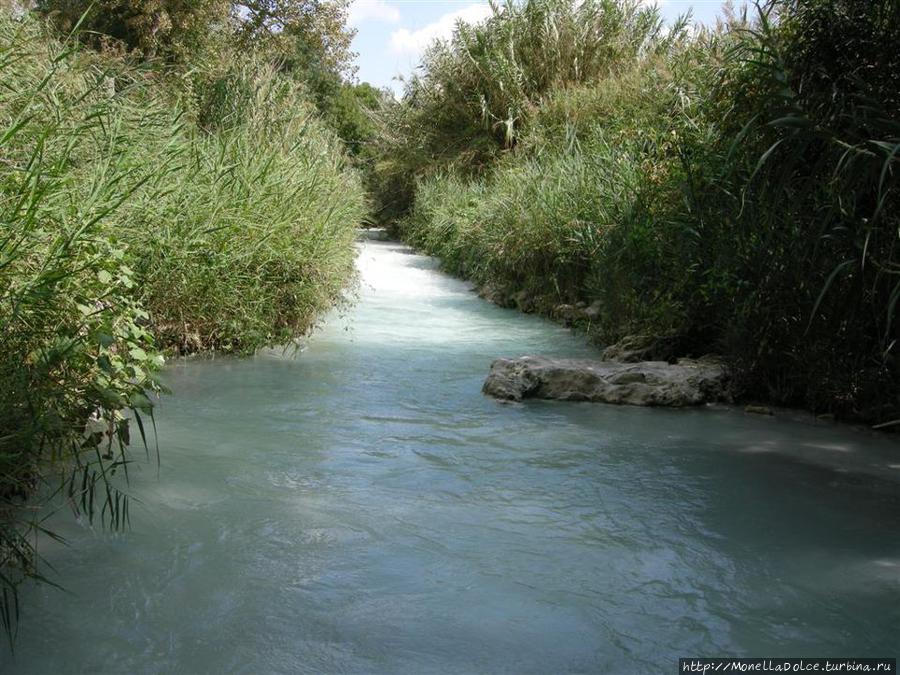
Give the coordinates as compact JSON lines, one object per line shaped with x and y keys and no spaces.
{"x":593,"y":311}
{"x":524,"y":302}
{"x":758,"y":410}
{"x":565,"y":313}
{"x":495,"y":294}
{"x":635,"y":348}
{"x":651,"y":383}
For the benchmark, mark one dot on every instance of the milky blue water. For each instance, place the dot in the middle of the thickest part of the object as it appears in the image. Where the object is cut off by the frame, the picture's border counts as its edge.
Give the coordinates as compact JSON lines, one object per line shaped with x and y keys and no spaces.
{"x":360,"y":507}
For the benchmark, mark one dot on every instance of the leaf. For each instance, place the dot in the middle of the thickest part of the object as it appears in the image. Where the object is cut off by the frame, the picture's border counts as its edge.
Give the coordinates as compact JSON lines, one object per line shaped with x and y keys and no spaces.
{"x":765,"y":157}
{"x":831,"y":277}
{"x":793,"y":121}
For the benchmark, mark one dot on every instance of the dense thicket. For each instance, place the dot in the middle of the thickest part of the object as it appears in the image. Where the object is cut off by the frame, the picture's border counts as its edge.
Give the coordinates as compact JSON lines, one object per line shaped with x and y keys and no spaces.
{"x":300,"y":33}
{"x":730,"y":190}
{"x":306,"y":41}
{"x":142,"y":210}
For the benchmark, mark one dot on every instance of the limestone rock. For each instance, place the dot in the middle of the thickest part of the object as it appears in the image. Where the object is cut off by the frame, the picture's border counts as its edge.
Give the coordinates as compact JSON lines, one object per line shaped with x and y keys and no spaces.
{"x":496,"y":295}
{"x":524,"y":302}
{"x":650,"y":383}
{"x":635,"y":348}
{"x":565,"y":313}
{"x":592,"y":312}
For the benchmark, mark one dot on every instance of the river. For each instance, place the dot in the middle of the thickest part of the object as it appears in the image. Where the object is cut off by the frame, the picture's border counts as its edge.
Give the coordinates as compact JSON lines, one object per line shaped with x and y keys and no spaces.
{"x":358,"y":506}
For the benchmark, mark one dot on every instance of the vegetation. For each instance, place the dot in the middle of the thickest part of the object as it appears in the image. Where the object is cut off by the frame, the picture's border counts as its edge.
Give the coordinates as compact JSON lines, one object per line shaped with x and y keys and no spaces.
{"x":305,"y":41}
{"x":299,"y":33}
{"x":729,"y":190}
{"x":144,"y":209}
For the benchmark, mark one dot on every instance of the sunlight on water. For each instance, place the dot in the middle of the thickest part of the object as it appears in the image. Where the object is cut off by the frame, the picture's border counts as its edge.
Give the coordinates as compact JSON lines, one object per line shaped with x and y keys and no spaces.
{"x":359,"y":507}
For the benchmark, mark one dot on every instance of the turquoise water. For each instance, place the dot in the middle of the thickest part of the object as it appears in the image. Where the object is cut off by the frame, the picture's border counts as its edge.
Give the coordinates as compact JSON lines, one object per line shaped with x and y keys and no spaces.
{"x":360,"y":507}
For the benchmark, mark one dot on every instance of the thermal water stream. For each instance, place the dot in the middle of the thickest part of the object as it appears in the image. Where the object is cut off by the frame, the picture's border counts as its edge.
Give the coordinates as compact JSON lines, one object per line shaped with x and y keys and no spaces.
{"x":359,"y":507}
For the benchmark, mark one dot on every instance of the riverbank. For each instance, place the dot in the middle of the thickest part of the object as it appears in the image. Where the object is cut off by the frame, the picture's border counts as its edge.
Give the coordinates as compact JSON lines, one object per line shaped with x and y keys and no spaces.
{"x":721,"y":190}
{"x":146,"y":212}
{"x":581,"y":318}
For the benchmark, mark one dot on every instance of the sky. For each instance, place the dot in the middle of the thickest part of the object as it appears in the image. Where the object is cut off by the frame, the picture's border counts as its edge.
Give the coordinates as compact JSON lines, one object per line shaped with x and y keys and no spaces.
{"x":392,"y":34}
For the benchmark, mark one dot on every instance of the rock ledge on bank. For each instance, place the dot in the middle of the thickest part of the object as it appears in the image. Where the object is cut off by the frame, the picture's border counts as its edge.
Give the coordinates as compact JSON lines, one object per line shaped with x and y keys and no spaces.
{"x":686,"y":382}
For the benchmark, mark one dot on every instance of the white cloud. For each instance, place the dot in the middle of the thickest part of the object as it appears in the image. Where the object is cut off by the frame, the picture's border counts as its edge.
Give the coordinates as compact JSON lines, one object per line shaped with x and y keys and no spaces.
{"x":405,"y":41}
{"x":372,"y":10}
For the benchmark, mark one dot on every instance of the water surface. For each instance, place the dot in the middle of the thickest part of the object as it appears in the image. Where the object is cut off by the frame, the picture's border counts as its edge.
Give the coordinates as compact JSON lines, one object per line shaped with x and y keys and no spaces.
{"x":359,"y":507}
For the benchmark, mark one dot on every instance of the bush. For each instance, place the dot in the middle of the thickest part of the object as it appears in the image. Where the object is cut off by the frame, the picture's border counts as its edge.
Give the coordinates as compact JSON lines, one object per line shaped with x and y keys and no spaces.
{"x":74,"y":348}
{"x":814,"y":163}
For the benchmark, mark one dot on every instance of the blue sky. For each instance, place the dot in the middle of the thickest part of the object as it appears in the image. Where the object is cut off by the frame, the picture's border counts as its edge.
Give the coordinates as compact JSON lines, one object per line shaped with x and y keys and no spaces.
{"x":391,"y":34}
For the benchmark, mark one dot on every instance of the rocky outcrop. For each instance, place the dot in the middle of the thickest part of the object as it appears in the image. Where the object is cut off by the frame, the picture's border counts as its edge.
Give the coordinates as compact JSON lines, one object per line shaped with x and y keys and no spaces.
{"x":497,"y":295}
{"x":649,"y":383}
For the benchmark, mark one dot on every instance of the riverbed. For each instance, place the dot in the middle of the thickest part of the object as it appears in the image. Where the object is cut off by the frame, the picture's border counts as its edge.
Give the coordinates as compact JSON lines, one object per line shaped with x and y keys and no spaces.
{"x":356,"y":505}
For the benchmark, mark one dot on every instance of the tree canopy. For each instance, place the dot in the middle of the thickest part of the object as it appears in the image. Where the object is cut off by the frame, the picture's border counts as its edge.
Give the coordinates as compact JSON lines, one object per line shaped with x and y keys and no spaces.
{"x":299,"y":34}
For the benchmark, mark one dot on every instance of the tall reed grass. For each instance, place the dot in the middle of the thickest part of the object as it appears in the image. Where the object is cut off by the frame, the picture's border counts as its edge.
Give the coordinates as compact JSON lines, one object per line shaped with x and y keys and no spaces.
{"x":249,"y":238}
{"x":473,"y":96}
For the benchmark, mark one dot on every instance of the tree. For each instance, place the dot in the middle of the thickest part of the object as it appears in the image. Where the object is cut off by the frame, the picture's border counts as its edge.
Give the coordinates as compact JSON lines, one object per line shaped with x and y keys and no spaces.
{"x":171,"y":29}
{"x":349,"y":111}
{"x":303,"y":36}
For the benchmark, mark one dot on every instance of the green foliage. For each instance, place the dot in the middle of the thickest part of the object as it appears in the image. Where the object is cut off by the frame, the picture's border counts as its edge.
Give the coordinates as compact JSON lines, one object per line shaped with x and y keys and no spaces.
{"x":253,"y":235}
{"x":733,"y":192}
{"x":817,"y":88}
{"x":204,"y":48}
{"x":307,"y":38}
{"x":476,"y":93}
{"x":75,"y":349}
{"x":350,"y":112}
{"x":576,"y":211}
{"x":171,"y":29}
